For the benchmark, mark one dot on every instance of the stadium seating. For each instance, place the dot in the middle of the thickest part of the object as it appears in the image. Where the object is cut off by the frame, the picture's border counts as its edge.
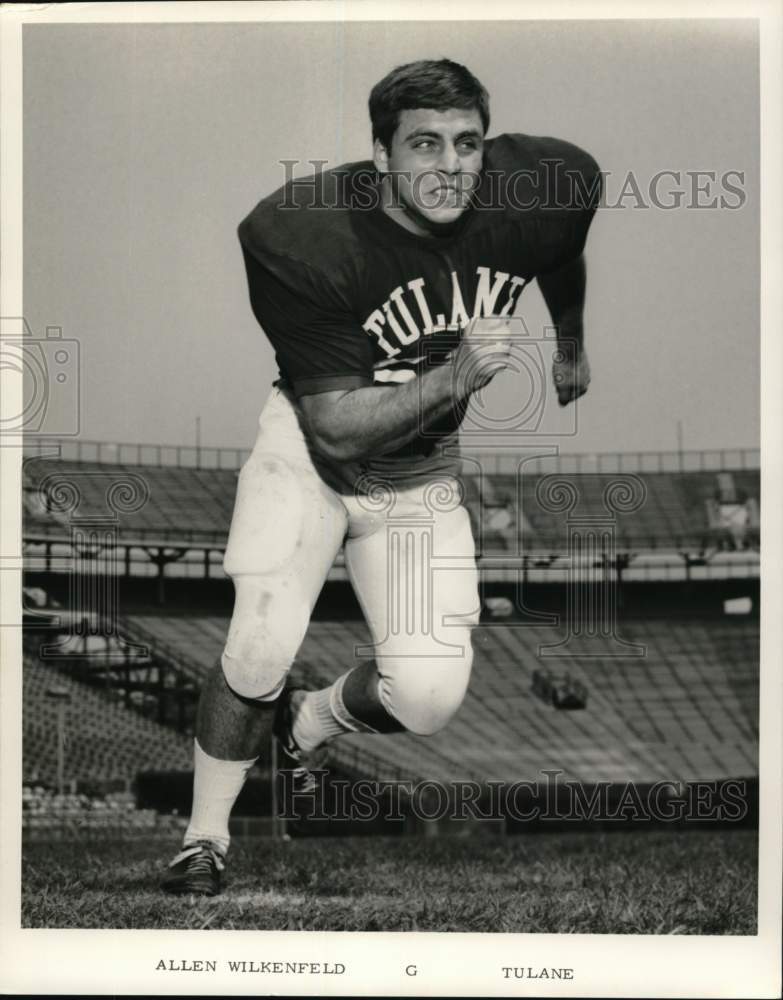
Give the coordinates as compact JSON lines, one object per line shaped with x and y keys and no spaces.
{"x":192,"y":644}
{"x":180,"y":500}
{"x":48,"y":815}
{"x":105,"y":740}
{"x":196,"y":504}
{"x":671,"y":515}
{"x":686,"y":708}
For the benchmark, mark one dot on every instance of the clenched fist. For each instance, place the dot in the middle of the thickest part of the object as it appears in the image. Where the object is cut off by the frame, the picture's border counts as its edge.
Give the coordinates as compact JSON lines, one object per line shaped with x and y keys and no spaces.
{"x":483,"y":351}
{"x":571,"y":373}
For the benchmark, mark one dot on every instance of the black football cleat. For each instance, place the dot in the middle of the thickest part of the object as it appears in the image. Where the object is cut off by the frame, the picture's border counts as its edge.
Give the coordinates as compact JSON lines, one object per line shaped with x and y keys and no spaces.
{"x":291,"y":758}
{"x":196,"y":869}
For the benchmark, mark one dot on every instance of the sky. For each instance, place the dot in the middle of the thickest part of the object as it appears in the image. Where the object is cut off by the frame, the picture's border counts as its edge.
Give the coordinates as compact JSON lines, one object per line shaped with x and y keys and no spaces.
{"x":145,"y":145}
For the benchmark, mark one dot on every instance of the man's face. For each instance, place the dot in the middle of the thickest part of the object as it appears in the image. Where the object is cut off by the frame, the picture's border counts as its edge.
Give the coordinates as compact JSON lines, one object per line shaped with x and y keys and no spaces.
{"x":434,"y":163}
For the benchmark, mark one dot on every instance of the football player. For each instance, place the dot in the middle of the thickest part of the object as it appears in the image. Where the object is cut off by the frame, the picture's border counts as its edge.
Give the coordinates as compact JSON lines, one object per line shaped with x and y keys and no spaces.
{"x":388,"y":291}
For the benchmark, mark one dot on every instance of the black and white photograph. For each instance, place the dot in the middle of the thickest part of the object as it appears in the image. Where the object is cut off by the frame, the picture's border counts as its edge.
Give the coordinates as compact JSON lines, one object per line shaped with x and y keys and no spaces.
{"x":389,"y":428}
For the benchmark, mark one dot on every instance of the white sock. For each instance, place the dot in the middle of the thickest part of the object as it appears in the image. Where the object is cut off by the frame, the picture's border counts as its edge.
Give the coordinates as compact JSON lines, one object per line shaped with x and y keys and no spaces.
{"x":216,"y":786}
{"x":321,"y":715}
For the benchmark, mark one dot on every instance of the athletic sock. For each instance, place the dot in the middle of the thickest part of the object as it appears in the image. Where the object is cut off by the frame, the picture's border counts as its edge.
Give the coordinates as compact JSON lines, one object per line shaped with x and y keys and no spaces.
{"x":216,"y":786}
{"x":314,"y":722}
{"x":321,"y":715}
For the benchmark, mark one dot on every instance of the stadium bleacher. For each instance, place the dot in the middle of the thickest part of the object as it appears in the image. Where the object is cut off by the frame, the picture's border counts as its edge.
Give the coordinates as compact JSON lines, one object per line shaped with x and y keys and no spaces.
{"x":106,"y":740}
{"x":196,"y":504}
{"x":671,"y":513}
{"x":46,"y":814}
{"x":686,"y":709}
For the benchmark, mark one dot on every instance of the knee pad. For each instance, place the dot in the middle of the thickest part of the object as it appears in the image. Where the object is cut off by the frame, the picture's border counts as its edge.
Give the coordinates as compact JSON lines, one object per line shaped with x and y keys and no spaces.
{"x":266,"y":631}
{"x":248,"y":678}
{"x":424,"y":694}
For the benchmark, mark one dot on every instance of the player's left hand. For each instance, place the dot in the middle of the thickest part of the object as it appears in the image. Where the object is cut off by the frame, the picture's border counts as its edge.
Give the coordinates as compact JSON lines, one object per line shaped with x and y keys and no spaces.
{"x":571,"y":375}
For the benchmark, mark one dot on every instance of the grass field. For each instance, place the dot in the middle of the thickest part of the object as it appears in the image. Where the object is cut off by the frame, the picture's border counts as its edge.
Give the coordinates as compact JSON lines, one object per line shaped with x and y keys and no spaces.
{"x":633,"y":882}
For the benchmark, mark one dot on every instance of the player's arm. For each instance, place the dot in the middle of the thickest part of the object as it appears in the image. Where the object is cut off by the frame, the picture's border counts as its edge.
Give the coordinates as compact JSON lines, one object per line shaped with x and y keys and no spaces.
{"x":327,"y":358}
{"x":578,"y":188}
{"x":564,"y":293}
{"x":348,"y":426}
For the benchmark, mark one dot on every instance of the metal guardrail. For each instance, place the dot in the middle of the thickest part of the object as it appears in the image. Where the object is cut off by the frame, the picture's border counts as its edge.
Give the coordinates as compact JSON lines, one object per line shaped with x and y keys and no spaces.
{"x":126,"y":453}
{"x":650,"y":462}
{"x":140,"y":537}
{"x":498,"y":461}
{"x":503,"y":459}
{"x":538,"y":543}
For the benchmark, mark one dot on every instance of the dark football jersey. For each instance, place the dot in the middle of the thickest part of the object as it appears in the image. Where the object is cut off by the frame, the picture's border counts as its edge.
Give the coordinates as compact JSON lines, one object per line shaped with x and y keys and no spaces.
{"x":349,"y":298}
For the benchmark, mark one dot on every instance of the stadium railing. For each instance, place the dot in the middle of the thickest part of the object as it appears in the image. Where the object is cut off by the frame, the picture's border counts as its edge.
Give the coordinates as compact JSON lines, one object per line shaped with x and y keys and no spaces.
{"x":503,"y":459}
{"x":191,"y":510}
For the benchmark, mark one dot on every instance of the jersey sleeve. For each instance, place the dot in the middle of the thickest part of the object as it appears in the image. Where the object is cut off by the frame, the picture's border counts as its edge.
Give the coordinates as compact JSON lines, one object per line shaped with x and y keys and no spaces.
{"x":570,"y":197}
{"x":552,"y":188}
{"x":318,"y":343}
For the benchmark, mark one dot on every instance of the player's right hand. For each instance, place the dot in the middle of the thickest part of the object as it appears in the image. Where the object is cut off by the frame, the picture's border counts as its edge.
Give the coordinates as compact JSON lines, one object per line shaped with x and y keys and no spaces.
{"x":483,"y":351}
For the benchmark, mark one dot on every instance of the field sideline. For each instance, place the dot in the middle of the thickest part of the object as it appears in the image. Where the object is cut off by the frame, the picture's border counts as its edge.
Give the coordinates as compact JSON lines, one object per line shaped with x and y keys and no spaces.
{"x":634,"y":882}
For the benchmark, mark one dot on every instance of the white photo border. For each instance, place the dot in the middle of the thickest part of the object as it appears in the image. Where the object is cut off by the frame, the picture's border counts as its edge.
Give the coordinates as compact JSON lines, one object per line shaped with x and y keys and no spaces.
{"x":77,"y":961}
